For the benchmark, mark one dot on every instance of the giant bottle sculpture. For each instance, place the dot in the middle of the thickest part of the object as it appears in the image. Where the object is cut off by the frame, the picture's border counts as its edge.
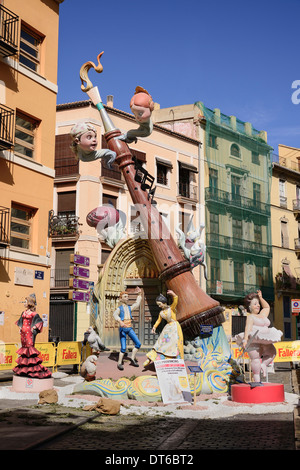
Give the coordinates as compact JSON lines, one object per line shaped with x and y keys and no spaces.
{"x":195,"y":307}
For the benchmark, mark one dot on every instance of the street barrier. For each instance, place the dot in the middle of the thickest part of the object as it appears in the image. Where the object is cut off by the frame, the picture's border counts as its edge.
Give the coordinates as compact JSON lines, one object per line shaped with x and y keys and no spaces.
{"x":65,"y":353}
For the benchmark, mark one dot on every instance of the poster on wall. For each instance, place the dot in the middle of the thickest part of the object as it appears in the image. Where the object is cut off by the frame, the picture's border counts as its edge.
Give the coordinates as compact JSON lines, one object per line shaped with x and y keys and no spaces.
{"x":173,"y":381}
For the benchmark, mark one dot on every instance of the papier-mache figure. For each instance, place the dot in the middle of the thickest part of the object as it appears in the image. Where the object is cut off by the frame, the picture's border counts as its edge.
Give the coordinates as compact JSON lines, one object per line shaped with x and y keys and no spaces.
{"x":89,"y":368}
{"x":84,"y":144}
{"x":169,"y":344}
{"x":141,"y":105}
{"x":29,"y":360}
{"x":258,"y":337}
{"x":124,"y":317}
{"x":192,"y":245}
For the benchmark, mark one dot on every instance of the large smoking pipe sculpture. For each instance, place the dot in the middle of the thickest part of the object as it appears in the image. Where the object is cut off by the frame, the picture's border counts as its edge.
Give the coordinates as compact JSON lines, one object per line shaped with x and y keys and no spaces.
{"x":195,"y":307}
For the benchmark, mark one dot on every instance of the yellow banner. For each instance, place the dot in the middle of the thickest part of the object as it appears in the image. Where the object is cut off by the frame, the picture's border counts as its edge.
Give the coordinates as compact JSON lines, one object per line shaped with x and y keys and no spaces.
{"x":287,"y":351}
{"x":8,"y":356}
{"x":68,"y":352}
{"x":47,"y":353}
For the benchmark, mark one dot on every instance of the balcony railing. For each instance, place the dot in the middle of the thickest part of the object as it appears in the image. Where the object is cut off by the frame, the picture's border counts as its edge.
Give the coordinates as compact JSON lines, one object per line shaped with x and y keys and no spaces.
{"x":4,"y":226}
{"x":187,"y":190}
{"x":63,"y":225}
{"x":7,"y":126}
{"x":59,"y":278}
{"x":9,"y":26}
{"x":238,"y":244}
{"x":219,"y":196}
{"x":240,"y":290}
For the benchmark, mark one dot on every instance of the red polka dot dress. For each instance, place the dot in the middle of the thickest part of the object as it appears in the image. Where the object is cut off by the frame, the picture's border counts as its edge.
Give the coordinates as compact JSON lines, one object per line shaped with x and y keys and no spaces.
{"x":29,"y":362}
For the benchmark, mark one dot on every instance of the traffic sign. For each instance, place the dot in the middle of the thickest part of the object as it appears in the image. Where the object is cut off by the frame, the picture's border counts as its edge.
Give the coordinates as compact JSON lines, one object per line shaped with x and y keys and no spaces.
{"x":79,"y":284}
{"x":79,"y":296}
{"x":295,"y":306}
{"x":80,"y":272}
{"x":78,"y":259}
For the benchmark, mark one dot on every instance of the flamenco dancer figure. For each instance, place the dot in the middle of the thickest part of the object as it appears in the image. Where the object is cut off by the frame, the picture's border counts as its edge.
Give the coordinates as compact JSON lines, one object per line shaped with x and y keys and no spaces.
{"x":261,"y":350}
{"x":169,"y":345}
{"x":30,"y":324}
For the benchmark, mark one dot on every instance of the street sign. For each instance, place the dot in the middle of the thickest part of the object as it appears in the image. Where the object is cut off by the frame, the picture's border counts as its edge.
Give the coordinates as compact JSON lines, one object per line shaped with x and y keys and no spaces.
{"x":295,"y":306}
{"x":79,"y":284}
{"x":79,"y":296}
{"x":78,"y":259}
{"x":80,"y":272}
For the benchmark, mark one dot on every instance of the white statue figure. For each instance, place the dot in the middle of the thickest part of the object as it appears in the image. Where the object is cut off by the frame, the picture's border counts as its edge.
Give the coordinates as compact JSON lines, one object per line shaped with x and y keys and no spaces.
{"x":192,"y":245}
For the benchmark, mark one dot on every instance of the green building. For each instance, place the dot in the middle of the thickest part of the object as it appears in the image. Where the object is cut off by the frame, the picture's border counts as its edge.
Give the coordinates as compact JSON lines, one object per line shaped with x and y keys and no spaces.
{"x":237,"y":208}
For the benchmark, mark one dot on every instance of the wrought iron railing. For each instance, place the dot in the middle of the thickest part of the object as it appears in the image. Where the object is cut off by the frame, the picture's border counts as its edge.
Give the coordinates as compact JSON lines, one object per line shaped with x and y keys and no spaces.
{"x":4,"y":226}
{"x":9,"y":32}
{"x":7,"y":127}
{"x":187,"y":190}
{"x":63,"y":225}
{"x":59,"y":277}
{"x":240,"y":290}
{"x":236,"y":201}
{"x":214,"y":240}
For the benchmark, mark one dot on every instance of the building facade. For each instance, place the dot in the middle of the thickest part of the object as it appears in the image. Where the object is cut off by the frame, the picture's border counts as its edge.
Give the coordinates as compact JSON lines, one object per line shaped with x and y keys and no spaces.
{"x":285,"y":212}
{"x":172,"y":160}
{"x":28,"y":89}
{"x":237,"y":181}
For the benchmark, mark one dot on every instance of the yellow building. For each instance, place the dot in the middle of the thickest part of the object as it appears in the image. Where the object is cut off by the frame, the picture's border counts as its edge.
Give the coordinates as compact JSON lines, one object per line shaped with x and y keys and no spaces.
{"x":172,"y":159}
{"x":28,"y":89}
{"x":285,"y":211}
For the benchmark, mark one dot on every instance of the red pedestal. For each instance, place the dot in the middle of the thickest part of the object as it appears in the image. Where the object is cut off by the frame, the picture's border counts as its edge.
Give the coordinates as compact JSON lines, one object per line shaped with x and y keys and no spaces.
{"x":266,"y":393}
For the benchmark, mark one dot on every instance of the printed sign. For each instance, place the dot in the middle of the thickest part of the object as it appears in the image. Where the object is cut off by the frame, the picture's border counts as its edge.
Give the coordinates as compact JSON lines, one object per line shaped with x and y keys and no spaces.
{"x":39,"y":275}
{"x":47,"y":353}
{"x":287,"y":351}
{"x":295,"y":306}
{"x":79,"y":296}
{"x":68,"y":353}
{"x":79,"y":284}
{"x":8,"y":356}
{"x":82,"y":260}
{"x":173,"y":381}
{"x":80,"y":272}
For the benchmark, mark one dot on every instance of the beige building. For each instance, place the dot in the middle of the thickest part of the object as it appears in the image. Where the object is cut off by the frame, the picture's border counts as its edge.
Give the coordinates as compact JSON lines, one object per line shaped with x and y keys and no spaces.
{"x":28,"y":89}
{"x":173,"y":161}
{"x":285,"y":211}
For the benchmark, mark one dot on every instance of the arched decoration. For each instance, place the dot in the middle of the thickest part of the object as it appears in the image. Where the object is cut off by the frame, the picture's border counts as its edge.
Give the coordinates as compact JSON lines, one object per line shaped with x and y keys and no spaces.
{"x":130,"y":259}
{"x":235,"y":151}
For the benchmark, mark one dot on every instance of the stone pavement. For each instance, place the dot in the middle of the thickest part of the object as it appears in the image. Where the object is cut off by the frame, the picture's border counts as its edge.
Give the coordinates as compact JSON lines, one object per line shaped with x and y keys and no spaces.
{"x":24,"y":425}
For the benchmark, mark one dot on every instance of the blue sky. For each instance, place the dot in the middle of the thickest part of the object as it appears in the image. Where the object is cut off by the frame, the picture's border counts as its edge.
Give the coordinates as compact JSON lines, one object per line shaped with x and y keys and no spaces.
{"x":241,"y":57}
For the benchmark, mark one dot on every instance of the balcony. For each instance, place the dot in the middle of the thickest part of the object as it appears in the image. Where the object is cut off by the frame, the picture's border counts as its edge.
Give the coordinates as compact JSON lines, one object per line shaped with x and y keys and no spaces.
{"x":4,"y":226}
{"x":186,"y":191}
{"x":240,"y":245}
{"x":59,"y":278}
{"x":7,"y":127}
{"x":9,"y":26}
{"x":63,"y":226}
{"x":218,"y":196}
{"x":233,"y":290}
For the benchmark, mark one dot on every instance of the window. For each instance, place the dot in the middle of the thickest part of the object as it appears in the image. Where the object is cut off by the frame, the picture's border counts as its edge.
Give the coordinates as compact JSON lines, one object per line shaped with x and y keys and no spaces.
{"x":212,"y":141}
{"x":213,"y":181}
{"x":215,"y":269}
{"x":237,"y":228}
{"x":25,"y":135}
{"x":184,"y":219}
{"x":214,"y":223}
{"x":282,"y":196}
{"x":256,"y":194}
{"x":238,"y":273}
{"x":284,"y":234}
{"x":255,"y":158}
{"x":66,"y":203}
{"x":30,"y":48}
{"x":236,"y":188}
{"x":108,"y":200}
{"x":257,"y":234}
{"x":235,"y":151}
{"x":162,"y":174}
{"x":20,"y":228}
{"x":287,"y":317}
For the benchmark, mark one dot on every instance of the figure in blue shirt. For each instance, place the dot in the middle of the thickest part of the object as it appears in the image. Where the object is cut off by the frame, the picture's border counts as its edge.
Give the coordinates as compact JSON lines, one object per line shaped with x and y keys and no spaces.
{"x":123,"y":316}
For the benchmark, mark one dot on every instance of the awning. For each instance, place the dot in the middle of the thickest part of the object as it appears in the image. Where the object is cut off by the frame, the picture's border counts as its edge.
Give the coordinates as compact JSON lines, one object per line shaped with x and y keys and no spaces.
{"x":164,"y":162}
{"x":186,"y":166}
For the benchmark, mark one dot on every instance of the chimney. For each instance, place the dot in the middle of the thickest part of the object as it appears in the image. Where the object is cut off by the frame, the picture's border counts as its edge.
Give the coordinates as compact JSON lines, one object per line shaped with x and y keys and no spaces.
{"x":110,"y":101}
